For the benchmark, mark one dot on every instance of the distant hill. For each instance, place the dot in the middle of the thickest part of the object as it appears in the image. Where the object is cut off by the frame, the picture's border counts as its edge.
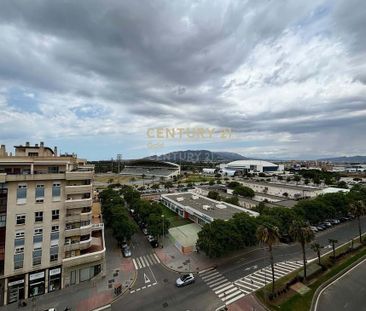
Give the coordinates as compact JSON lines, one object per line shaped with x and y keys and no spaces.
{"x":195,"y":156}
{"x":352,"y":159}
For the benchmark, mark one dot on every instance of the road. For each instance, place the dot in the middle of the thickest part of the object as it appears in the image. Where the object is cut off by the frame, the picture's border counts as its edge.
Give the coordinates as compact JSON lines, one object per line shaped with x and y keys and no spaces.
{"x":155,"y":288}
{"x":346,"y":293}
{"x":216,"y":287}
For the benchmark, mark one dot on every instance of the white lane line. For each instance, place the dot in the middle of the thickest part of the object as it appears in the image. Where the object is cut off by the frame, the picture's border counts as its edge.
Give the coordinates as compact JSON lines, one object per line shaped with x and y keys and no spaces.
{"x":293,"y":264}
{"x":257,"y":279}
{"x":142,"y":261}
{"x":138,"y":289}
{"x":224,"y":289}
{"x":251,"y":284}
{"x":143,"y":287}
{"x":227,"y":292}
{"x":217,"y":283}
{"x":134,"y":263}
{"x":149,"y":285}
{"x":157,"y":258}
{"x":206,"y":270}
{"x":215,"y":277}
{"x":138,"y":262}
{"x":238,"y":292}
{"x":132,"y":291}
{"x":222,"y":285}
{"x":147,"y":263}
{"x":218,"y":278}
{"x":207,"y":277}
{"x":149,"y":260}
{"x":246,"y":286}
{"x":234,"y":299}
{"x":282,"y":269}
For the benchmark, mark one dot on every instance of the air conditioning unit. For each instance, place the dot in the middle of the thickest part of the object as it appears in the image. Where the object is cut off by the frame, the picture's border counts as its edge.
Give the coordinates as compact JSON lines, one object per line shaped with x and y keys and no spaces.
{"x":180,"y":199}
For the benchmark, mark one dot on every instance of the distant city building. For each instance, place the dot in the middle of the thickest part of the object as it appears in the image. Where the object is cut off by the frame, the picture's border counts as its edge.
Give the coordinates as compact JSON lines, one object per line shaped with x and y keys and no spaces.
{"x":241,"y":167}
{"x":209,"y":171}
{"x":51,"y":235}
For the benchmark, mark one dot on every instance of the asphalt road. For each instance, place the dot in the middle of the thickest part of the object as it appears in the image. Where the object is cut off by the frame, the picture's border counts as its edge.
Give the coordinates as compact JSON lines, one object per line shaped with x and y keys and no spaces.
{"x":164,"y":295}
{"x":347,"y":292}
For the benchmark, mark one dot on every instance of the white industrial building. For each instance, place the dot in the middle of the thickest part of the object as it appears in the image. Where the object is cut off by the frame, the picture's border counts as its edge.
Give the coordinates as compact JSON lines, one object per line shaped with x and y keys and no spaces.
{"x":241,"y":167}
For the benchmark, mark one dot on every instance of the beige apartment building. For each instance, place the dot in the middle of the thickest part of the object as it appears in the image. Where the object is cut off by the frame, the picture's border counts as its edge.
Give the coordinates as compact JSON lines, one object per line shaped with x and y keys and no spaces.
{"x":50,"y":238}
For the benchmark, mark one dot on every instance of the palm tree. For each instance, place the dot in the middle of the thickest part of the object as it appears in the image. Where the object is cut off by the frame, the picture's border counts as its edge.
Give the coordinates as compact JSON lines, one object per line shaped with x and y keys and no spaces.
{"x":333,"y":242}
{"x":303,"y":234}
{"x":269,"y":235}
{"x":316,"y":247}
{"x":358,"y":209}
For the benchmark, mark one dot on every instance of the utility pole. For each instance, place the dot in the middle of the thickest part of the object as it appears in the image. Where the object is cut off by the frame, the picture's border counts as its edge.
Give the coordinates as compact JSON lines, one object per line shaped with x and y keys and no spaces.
{"x":119,"y":158}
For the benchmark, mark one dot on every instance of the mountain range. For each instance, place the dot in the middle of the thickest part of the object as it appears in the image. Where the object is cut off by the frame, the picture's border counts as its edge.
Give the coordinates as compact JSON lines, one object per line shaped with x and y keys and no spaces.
{"x":351,"y":159}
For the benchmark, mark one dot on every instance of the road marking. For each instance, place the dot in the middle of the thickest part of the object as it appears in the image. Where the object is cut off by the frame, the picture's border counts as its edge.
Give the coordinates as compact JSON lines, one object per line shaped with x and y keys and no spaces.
{"x":227,"y":292}
{"x":208,"y":276}
{"x":231,"y":295}
{"x":235,"y":299}
{"x":146,"y":279}
{"x":224,"y":288}
{"x":217,"y":283}
{"x":148,"y":259}
{"x":138,"y":262}
{"x":157,"y":258}
{"x":213,"y":278}
{"x":222,"y":285}
{"x":142,"y":261}
{"x":134,"y":263}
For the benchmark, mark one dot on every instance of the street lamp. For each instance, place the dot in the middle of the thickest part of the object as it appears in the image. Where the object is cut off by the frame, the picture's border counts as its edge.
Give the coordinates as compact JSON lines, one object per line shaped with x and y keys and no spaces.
{"x":162,"y":242}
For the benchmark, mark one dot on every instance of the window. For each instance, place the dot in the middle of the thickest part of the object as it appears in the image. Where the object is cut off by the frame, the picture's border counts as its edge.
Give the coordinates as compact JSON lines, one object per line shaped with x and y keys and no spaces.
{"x":38,"y":216}
{"x":84,"y":223}
{"x":38,"y":235}
{"x":56,"y":192}
{"x":55,"y":233}
{"x":22,"y":194}
{"x":37,"y":256}
{"x":2,"y":221}
{"x":55,"y":214}
{"x":21,"y":219}
{"x":18,"y":257}
{"x":19,"y":238}
{"x":54,"y":253}
{"x":53,"y":170}
{"x":39,"y":193}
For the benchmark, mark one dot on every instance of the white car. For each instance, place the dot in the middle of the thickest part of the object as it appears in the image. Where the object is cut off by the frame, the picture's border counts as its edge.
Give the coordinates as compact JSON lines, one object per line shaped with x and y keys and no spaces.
{"x":185,"y":279}
{"x":314,"y":229}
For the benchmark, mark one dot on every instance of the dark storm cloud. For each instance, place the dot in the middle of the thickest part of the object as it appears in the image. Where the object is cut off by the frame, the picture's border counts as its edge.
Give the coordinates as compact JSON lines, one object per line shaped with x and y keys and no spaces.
{"x":221,"y":63}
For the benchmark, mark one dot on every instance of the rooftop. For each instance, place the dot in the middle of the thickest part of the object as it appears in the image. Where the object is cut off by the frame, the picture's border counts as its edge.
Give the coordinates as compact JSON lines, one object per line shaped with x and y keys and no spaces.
{"x":211,"y":208}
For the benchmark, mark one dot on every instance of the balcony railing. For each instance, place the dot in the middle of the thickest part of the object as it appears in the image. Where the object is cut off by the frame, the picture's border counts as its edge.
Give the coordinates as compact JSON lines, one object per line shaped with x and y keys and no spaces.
{"x":80,"y":189}
{"x":79,"y":175}
{"x":78,"y":245}
{"x":84,"y":259}
{"x":78,"y":231}
{"x":79,"y":203}
{"x":79,"y":217}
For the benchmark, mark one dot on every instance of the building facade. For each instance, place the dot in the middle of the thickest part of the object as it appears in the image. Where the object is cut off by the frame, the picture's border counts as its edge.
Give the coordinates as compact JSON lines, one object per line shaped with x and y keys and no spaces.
{"x":49,"y":236}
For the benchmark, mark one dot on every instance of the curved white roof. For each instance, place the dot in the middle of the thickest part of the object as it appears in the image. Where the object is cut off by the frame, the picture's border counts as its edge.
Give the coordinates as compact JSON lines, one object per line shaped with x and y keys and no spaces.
{"x":248,"y":163}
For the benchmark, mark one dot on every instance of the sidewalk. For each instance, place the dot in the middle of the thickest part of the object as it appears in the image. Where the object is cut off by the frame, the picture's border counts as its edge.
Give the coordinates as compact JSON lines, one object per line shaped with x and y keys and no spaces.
{"x":247,"y":303}
{"x":91,"y":294}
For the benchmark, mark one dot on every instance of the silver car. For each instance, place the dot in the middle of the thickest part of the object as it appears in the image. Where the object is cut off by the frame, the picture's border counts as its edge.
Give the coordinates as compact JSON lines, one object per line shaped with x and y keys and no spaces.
{"x":184,"y":280}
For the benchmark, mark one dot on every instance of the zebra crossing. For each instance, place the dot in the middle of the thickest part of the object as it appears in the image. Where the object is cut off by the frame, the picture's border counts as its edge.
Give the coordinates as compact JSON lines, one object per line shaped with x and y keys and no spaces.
{"x":221,"y":286}
{"x":145,"y":261}
{"x":262,"y":277}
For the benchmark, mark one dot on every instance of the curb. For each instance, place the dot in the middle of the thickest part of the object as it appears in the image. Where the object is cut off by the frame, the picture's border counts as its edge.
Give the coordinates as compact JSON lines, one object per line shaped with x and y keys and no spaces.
{"x":319,"y":290}
{"x":114,"y":299}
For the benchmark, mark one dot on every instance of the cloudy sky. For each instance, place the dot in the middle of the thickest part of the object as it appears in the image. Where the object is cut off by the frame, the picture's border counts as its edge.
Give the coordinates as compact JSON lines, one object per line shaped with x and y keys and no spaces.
{"x":287,"y":77}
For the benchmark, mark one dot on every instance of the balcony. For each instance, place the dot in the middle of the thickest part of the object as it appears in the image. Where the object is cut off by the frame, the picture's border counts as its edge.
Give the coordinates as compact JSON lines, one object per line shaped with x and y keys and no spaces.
{"x":78,"y":231}
{"x":96,"y":252}
{"x":78,"y":245}
{"x":31,"y":177}
{"x":79,"y":175}
{"x":79,"y":203}
{"x":79,"y":217}
{"x":78,"y":189}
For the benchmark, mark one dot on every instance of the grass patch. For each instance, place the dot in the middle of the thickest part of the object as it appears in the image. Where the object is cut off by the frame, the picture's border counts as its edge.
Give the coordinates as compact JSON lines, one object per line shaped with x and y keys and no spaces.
{"x":115,"y":177}
{"x":174,"y":219}
{"x":197,"y":178}
{"x":303,"y":303}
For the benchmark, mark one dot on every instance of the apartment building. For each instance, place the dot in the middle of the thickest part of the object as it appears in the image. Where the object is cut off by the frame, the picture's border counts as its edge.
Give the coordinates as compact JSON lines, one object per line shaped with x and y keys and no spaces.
{"x":49,"y":236}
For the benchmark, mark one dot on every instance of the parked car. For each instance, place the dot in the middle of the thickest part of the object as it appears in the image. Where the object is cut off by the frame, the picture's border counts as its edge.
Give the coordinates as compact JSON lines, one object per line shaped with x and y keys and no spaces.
{"x":150,"y":238}
{"x":328,"y":224}
{"x":154,"y":244}
{"x":144,"y":230}
{"x":184,"y":280}
{"x":314,"y":229}
{"x":321,"y":227}
{"x":126,"y":252}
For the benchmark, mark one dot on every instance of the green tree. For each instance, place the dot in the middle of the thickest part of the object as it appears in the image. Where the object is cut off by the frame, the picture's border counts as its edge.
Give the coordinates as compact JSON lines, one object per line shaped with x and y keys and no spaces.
{"x":121,"y":224}
{"x":244,"y":191}
{"x":358,"y":209}
{"x":213,"y":195}
{"x":303,"y":234}
{"x":211,"y":182}
{"x":232,"y":200}
{"x":316,"y":247}
{"x":333,"y":242}
{"x":269,"y":235}
{"x":297,"y":178}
